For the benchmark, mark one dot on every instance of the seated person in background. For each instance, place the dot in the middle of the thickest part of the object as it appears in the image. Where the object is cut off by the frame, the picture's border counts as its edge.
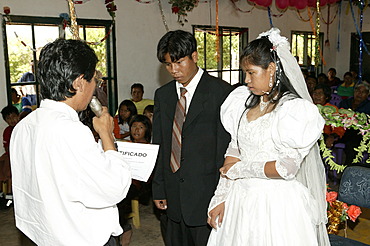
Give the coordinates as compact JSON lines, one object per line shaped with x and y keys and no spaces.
{"x":11,"y":116}
{"x":346,"y":89}
{"x":23,"y":104}
{"x":359,"y":103}
{"x":29,"y":91}
{"x":137,"y":92}
{"x":140,"y":132}
{"x":322,"y":79}
{"x":126,"y":110}
{"x":333,"y":80}
{"x":148,"y":112}
{"x":322,"y":96}
{"x":311,"y":83}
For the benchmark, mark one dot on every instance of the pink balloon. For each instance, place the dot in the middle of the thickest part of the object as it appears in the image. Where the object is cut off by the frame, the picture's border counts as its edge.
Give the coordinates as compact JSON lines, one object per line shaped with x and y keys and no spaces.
{"x":282,"y":4}
{"x":332,"y":1}
{"x":268,"y":3}
{"x":292,"y":3}
{"x":311,"y":3}
{"x":323,"y":2}
{"x":301,"y":4}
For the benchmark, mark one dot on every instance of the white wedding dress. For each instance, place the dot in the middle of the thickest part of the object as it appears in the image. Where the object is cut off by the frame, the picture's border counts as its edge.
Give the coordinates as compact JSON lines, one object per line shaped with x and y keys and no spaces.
{"x":262,"y":211}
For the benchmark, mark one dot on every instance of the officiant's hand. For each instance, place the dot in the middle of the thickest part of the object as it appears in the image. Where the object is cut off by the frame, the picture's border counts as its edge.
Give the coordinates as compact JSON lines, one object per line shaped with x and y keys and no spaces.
{"x":161,"y":204}
{"x":216,"y":216}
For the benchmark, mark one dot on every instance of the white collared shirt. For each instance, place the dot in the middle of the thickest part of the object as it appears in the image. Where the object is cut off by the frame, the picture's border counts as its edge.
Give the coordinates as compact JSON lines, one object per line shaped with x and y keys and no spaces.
{"x":191,"y":87}
{"x":65,"y":186}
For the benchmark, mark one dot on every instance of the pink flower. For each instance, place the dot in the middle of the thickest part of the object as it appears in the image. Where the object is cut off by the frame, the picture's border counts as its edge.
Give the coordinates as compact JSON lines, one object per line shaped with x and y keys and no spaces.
{"x":345,"y":206}
{"x":331,"y":196}
{"x":353,"y":212}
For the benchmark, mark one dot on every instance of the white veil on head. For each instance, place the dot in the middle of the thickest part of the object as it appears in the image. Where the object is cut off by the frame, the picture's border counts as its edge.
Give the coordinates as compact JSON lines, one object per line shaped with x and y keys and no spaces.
{"x":312,"y":172}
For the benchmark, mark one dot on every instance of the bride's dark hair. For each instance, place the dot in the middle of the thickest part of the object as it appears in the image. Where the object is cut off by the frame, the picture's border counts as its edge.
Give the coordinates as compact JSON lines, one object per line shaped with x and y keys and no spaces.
{"x":260,"y":53}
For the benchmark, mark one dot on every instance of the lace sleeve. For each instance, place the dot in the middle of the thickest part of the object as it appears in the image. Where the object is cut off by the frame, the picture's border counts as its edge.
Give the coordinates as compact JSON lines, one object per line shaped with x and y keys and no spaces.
{"x":244,"y":169}
{"x":232,"y":150}
{"x":221,"y":193}
{"x":288,"y":164}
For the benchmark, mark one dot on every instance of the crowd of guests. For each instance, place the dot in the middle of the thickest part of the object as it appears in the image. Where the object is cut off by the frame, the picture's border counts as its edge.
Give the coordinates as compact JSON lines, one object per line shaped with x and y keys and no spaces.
{"x":349,"y":93}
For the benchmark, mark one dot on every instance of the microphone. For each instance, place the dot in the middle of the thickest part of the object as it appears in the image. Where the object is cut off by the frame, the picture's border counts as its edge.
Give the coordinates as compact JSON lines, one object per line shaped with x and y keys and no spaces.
{"x":97,"y":109}
{"x":96,"y":106}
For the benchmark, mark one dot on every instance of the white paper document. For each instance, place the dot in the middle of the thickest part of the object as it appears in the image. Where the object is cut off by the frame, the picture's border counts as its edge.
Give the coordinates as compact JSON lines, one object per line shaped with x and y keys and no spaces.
{"x":140,"y":157}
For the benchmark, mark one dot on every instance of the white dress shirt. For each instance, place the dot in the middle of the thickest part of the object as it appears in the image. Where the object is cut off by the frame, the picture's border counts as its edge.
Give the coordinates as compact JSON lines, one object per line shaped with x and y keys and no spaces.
{"x":190,"y":88}
{"x":65,"y":186}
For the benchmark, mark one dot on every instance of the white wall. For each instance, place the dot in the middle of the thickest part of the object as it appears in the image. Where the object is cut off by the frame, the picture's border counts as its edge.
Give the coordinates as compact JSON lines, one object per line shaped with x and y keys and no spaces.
{"x":140,"y":26}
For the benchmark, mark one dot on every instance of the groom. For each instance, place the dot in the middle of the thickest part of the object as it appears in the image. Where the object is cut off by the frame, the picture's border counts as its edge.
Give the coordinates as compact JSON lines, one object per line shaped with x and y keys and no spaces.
{"x":192,"y":144}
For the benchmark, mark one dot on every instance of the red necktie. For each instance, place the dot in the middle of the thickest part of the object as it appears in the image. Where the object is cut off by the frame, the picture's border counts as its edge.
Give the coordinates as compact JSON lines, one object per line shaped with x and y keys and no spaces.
{"x":176,"y":131}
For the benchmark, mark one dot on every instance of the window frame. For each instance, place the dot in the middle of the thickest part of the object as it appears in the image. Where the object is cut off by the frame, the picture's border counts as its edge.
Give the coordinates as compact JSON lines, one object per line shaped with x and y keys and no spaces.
{"x":243,"y":41}
{"x":111,"y":63}
{"x":306,"y":52}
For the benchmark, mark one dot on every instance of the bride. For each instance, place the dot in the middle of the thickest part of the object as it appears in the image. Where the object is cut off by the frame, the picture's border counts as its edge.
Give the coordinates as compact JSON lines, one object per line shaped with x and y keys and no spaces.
{"x":272,"y":185}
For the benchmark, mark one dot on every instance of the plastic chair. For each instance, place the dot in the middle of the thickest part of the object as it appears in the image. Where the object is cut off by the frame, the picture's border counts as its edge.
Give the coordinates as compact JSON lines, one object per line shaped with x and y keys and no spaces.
{"x":335,"y":99}
{"x":353,"y":189}
{"x":135,"y":213}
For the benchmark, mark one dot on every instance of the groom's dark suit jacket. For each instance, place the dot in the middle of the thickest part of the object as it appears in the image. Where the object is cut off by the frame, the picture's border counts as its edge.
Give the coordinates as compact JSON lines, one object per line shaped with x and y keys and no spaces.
{"x":204,"y":141}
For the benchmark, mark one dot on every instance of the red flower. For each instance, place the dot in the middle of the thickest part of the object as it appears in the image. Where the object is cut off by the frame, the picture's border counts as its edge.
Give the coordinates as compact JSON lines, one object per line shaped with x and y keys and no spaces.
{"x":175,"y":9}
{"x":344,"y":205}
{"x":331,"y":196}
{"x":108,"y":1}
{"x":353,"y":212}
{"x":111,"y":7}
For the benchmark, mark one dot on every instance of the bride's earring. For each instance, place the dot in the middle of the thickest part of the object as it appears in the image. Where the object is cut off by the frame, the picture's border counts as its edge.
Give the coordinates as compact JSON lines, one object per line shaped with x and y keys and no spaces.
{"x":270,"y":83}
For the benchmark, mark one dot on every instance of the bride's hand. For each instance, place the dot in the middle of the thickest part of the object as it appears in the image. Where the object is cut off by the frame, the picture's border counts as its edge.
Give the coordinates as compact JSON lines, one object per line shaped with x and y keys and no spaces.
{"x":225,"y":168}
{"x":216,"y":215}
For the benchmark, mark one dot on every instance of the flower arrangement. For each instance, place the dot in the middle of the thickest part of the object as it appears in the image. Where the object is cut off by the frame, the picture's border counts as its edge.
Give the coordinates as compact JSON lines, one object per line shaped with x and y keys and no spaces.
{"x":339,"y":212}
{"x":182,"y":7}
{"x":348,"y":119}
{"x":111,"y":8}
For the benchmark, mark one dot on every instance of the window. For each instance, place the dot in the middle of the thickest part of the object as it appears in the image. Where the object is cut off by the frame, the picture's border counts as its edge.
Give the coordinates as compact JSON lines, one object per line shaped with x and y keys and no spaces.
{"x":25,"y":36}
{"x":304,"y":49}
{"x":231,"y":42}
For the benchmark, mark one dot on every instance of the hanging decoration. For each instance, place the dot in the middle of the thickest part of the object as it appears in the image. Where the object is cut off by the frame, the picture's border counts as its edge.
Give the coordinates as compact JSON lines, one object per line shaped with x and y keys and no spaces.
{"x":362,"y":44}
{"x":223,"y":35}
{"x":240,"y":10}
{"x":298,"y":4}
{"x":181,"y":9}
{"x":145,"y":2}
{"x":80,"y":1}
{"x":111,"y":8}
{"x":317,"y":35}
{"x":270,"y":18}
{"x":217,"y":35}
{"x":163,"y":17}
{"x":24,"y":43}
{"x":6,"y":10}
{"x":309,"y":17}
{"x":74,"y":26}
{"x":317,"y":44}
{"x":340,"y":15}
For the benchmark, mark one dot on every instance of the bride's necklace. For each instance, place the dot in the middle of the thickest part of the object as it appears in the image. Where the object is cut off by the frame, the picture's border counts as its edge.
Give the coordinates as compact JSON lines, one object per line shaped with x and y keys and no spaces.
{"x":263,"y":104}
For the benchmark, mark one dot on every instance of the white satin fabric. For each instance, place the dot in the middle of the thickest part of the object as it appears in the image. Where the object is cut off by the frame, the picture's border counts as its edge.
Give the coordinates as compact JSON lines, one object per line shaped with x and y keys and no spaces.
{"x":262,"y":211}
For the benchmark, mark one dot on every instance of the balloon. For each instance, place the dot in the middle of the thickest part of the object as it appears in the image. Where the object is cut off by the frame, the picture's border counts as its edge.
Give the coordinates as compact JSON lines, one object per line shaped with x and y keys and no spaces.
{"x":332,"y":1}
{"x":282,"y":4}
{"x":292,"y":3}
{"x":323,"y":2}
{"x":267,"y":3}
{"x":264,"y":3}
{"x":301,"y":4}
{"x":311,"y":3}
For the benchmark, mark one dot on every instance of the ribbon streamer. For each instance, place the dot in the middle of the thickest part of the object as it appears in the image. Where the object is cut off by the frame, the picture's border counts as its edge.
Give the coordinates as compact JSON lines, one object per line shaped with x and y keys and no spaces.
{"x":340,"y":15}
{"x":217,"y":35}
{"x":163,"y":17}
{"x":270,"y":18}
{"x":74,"y":26}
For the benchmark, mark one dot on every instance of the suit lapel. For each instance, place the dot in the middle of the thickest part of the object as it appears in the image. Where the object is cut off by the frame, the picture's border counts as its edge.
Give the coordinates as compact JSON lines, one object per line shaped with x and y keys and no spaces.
{"x":170,"y":101}
{"x":198,"y":100}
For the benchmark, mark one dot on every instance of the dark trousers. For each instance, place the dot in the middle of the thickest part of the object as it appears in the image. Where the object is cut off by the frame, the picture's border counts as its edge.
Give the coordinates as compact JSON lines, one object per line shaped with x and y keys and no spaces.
{"x":180,"y":234}
{"x":111,"y":242}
